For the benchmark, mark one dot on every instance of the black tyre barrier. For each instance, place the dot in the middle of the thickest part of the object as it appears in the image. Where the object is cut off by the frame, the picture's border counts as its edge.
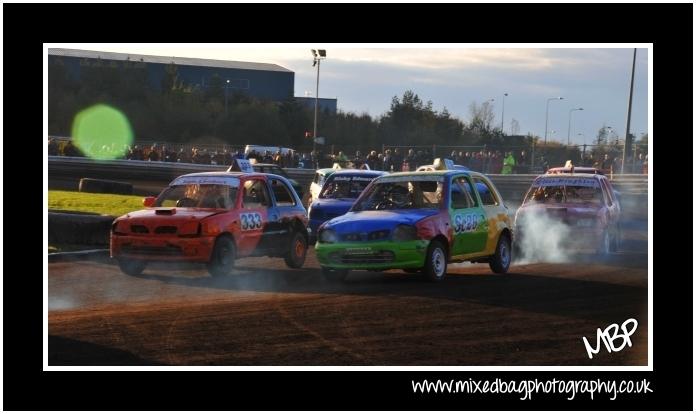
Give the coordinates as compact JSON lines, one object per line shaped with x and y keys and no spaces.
{"x":93,"y":185}
{"x":82,"y":229}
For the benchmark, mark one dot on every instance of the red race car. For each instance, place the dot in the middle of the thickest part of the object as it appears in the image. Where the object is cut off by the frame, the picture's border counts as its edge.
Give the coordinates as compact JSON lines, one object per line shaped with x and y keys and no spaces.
{"x":214,"y":218}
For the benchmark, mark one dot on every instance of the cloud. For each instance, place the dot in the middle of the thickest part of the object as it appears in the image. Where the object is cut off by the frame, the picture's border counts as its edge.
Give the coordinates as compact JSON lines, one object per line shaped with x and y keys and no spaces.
{"x":366,"y":78}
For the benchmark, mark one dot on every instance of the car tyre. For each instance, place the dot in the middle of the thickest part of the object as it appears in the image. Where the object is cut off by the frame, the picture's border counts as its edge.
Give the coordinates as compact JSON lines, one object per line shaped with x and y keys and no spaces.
{"x":222,"y":259}
{"x":132,"y":267}
{"x":435,"y":267}
{"x":297,"y":251}
{"x":334,"y":275}
{"x":500,"y":262}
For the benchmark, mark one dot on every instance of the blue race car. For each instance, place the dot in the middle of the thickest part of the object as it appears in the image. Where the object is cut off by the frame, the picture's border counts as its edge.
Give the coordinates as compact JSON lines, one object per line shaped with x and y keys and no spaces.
{"x":337,"y":195}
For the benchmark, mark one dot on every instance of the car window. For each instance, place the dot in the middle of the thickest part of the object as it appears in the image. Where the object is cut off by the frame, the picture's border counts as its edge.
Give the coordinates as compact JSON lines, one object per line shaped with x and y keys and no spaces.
{"x":461,"y":192}
{"x":344,"y":186}
{"x":583,"y":195}
{"x":485,"y":192}
{"x":402,"y":193}
{"x":608,"y":196}
{"x":198,"y":196}
{"x":255,"y":195}
{"x":282,"y":194}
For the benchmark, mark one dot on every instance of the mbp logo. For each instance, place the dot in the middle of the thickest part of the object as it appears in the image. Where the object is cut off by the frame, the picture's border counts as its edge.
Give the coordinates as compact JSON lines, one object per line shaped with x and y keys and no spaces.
{"x":251,"y":221}
{"x":610,"y":335}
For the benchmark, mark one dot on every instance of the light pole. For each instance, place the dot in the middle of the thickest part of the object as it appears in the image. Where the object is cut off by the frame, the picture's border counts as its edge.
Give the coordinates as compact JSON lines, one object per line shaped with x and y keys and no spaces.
{"x":570,"y":115}
{"x":227,"y":84}
{"x":502,"y":117}
{"x":546,"y":129}
{"x":628,"y":140}
{"x":318,"y":54}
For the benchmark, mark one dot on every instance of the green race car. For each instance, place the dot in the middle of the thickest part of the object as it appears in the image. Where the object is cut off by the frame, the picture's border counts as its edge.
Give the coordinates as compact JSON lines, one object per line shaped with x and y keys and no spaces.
{"x":419,"y":222}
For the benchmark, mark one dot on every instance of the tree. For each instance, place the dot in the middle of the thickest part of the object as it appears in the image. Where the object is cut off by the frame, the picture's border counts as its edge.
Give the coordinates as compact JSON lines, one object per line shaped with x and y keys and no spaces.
{"x":296,"y":119}
{"x":411,"y":122}
{"x":482,"y":116}
{"x":602,"y":135}
{"x":642,"y":144}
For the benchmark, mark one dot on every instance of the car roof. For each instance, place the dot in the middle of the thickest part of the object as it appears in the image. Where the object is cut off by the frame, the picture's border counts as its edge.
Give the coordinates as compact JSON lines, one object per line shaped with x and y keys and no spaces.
{"x":436,"y":173}
{"x":456,"y":166}
{"x":375,"y":173}
{"x":578,"y":175}
{"x":258,"y":164}
{"x":579,"y":170}
{"x":218,"y":173}
{"x":229,"y":174}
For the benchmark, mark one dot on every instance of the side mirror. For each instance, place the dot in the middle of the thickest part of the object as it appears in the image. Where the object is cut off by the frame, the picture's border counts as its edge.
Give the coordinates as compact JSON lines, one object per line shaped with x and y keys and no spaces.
{"x":149,"y":201}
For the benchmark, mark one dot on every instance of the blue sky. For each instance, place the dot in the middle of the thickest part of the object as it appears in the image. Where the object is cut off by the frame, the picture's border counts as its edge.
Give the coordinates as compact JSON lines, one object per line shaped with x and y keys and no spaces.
{"x":365,"y":79}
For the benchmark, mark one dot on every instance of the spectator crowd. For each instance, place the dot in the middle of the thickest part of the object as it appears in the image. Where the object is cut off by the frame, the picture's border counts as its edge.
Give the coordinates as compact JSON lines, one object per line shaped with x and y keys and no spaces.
{"x":393,"y":159}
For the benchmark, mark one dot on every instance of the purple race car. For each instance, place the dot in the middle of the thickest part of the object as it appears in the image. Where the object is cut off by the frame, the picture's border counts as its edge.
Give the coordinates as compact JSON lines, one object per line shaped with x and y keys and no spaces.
{"x":584,"y":205}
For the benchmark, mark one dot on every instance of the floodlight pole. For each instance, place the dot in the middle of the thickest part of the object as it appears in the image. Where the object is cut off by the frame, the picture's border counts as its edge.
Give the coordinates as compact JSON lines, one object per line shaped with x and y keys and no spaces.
{"x":316,"y":107}
{"x":628,"y":141}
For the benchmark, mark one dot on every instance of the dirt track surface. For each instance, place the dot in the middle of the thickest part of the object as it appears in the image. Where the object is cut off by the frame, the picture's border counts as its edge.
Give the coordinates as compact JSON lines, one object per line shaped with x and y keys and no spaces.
{"x":267,"y":314}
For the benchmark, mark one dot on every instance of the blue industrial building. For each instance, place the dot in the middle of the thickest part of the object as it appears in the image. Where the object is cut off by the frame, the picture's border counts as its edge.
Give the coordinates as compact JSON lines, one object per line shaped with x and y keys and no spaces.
{"x":259,"y":80}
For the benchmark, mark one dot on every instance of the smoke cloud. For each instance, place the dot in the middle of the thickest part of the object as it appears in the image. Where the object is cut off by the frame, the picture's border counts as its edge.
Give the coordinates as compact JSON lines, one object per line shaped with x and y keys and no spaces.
{"x":541,"y":238}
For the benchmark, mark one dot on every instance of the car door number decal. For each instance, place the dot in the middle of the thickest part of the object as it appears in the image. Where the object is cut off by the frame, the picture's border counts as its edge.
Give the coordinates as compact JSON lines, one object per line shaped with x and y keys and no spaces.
{"x":251,"y":221}
{"x":464,"y":223}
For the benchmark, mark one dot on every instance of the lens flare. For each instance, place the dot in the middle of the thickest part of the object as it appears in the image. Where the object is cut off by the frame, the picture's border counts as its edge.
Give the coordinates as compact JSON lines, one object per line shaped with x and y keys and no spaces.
{"x":102,"y":132}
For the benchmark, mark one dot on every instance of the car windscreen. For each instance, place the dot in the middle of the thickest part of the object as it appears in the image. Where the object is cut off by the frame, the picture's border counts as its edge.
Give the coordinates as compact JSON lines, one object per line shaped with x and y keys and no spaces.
{"x":574,"y":191}
{"x":197,"y":195}
{"x":344,"y":186}
{"x":402,"y":193}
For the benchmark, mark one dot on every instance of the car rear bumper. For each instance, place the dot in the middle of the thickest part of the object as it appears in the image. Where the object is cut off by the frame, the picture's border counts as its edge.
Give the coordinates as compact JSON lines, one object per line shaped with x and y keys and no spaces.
{"x":373,"y":255}
{"x":171,"y":249}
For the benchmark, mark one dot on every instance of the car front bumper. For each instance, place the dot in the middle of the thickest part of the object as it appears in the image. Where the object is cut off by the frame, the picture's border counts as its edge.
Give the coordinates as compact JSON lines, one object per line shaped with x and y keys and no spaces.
{"x":378,"y":255}
{"x":170,"y":249}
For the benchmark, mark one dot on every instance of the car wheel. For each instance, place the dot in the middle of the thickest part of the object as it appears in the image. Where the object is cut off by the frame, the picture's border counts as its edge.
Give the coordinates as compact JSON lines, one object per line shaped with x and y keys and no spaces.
{"x":435,"y":267}
{"x":132,"y":267}
{"x":222,"y":260}
{"x":297,"y":251}
{"x":334,"y":275}
{"x":500,"y":262}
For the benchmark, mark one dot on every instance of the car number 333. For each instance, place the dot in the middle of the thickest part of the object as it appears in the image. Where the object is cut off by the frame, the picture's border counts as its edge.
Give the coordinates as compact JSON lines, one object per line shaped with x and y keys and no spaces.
{"x":251,"y":221}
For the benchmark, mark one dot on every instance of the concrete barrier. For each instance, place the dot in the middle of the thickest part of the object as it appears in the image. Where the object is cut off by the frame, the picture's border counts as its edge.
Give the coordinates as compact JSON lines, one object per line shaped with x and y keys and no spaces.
{"x":150,"y":177}
{"x":83,"y":229}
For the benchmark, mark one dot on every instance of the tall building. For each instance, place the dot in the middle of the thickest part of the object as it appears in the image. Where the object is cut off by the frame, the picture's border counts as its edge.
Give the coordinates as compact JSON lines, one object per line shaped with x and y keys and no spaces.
{"x":259,"y":80}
